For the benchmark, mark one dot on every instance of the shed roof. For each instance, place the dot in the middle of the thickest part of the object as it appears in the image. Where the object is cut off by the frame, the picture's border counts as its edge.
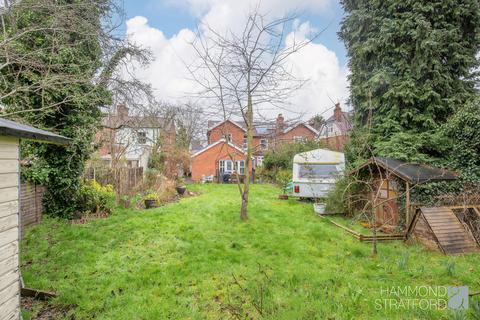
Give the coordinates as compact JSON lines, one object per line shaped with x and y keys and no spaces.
{"x":15,"y":129}
{"x":411,"y":172}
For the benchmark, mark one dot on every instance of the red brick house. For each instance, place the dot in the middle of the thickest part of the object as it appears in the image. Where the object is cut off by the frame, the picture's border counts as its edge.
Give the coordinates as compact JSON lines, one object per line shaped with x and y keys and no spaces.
{"x":218,"y":158}
{"x":227,"y":138}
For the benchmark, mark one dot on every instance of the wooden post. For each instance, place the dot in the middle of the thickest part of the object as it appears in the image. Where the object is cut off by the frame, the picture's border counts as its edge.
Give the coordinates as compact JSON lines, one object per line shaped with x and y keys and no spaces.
{"x":407,"y":204}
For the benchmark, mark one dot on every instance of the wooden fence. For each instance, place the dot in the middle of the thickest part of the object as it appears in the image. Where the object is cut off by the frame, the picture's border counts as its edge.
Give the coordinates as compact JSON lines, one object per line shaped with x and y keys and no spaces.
{"x":31,"y":203}
{"x":122,"y":179}
{"x":368,"y":238}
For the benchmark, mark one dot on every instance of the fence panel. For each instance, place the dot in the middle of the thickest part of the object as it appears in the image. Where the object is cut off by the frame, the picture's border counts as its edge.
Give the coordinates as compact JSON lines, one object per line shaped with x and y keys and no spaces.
{"x":31,"y":203}
{"x":122,"y":179}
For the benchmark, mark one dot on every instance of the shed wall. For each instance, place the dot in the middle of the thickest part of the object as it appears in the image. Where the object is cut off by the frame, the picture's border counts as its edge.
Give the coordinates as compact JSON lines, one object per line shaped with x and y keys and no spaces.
{"x":9,"y":233}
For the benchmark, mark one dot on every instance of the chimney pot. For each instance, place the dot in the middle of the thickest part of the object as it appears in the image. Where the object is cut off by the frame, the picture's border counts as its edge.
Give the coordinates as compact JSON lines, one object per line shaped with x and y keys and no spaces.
{"x":122,"y":112}
{"x":280,"y":123}
{"x":338,"y":112}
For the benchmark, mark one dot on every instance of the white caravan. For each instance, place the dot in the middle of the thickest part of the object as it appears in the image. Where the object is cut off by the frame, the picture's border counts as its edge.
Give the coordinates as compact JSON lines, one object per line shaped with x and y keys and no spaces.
{"x":315,"y":172}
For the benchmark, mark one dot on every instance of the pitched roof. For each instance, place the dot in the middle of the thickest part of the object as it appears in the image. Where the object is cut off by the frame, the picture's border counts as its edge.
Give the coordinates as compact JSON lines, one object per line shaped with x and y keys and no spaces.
{"x":411,"y":172}
{"x":11,"y":128}
{"x":216,"y":143}
{"x":213,"y":124}
{"x":260,"y":129}
{"x":309,"y":127}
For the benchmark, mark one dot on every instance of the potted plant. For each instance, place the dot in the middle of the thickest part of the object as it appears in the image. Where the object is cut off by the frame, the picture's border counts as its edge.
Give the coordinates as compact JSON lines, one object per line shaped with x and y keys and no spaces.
{"x":125,"y":201}
{"x":181,"y":188}
{"x":151,"y":200}
{"x":284,"y":177}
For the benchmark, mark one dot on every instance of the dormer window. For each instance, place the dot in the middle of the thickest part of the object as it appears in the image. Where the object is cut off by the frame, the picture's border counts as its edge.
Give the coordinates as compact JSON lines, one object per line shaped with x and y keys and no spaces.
{"x":228,"y":137}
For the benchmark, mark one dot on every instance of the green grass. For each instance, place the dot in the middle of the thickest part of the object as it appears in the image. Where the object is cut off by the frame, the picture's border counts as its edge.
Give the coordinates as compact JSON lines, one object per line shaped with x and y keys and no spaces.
{"x":180,"y":261}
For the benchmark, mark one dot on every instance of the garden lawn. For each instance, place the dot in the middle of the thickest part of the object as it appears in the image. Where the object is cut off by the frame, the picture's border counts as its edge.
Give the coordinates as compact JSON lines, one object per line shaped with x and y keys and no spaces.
{"x":196,"y":260}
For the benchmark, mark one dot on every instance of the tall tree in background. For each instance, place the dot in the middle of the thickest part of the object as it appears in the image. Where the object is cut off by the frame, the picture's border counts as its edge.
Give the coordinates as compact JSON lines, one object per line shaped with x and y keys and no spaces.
{"x":56,"y":61}
{"x":412,"y":66}
{"x":242,"y":72}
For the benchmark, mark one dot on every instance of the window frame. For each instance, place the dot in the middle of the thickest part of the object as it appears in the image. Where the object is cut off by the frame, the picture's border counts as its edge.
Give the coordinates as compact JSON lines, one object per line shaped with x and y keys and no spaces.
{"x":263,"y":145}
{"x":142,"y":137}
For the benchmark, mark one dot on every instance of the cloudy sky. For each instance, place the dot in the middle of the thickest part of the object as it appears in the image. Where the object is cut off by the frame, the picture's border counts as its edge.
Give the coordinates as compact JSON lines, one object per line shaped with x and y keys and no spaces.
{"x":167,"y":26}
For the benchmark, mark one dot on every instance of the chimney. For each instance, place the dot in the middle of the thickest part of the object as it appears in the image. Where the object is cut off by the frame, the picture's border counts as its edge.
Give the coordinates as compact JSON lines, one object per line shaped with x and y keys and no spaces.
{"x":280,"y":123}
{"x":338,"y":112}
{"x":122,"y":112}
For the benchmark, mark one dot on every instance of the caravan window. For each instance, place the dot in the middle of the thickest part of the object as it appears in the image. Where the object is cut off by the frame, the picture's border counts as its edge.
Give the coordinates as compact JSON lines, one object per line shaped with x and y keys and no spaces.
{"x":309,"y":171}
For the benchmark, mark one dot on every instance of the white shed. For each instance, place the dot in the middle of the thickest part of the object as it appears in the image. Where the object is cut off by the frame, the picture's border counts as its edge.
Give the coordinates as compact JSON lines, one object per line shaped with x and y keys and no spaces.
{"x":315,"y":172}
{"x":10,"y":135}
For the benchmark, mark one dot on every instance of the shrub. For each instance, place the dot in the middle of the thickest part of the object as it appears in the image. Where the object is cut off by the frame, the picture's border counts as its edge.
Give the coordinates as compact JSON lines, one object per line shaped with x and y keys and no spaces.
{"x":95,"y":198}
{"x":337,"y":199}
{"x":284,"y":176}
{"x":282,"y":157}
{"x":151,"y":195}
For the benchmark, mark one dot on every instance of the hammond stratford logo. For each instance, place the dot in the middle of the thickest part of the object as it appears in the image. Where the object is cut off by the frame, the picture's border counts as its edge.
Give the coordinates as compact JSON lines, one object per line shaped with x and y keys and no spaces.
{"x":423,"y":297}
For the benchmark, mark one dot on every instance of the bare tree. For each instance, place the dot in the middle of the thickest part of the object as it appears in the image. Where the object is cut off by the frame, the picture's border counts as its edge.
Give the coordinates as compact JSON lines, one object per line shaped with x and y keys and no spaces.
{"x":242,"y":72}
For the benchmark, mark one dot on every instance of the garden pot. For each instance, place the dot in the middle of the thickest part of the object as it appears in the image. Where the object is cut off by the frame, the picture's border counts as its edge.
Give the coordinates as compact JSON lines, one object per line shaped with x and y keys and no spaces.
{"x":283,"y":196}
{"x":319,"y":208}
{"x":150,"y":203}
{"x":181,"y":190}
{"x":125,"y":203}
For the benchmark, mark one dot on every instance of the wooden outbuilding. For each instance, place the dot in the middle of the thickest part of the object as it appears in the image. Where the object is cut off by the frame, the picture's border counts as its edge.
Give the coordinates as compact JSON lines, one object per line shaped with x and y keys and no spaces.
{"x":384,"y":175}
{"x":450,"y":229}
{"x":10,"y":135}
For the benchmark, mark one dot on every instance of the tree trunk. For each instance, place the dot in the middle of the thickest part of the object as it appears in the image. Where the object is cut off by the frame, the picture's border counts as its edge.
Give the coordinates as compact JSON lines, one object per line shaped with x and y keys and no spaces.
{"x":246,"y":182}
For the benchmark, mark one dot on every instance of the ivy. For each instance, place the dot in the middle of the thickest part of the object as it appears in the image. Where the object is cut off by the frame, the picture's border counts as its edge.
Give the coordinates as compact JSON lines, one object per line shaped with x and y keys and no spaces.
{"x":62,"y":56}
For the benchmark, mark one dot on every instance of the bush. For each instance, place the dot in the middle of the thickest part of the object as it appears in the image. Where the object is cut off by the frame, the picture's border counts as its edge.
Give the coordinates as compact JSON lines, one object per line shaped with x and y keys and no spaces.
{"x":337,"y":199}
{"x":284,"y":176}
{"x":95,"y":198}
{"x":282,"y":159}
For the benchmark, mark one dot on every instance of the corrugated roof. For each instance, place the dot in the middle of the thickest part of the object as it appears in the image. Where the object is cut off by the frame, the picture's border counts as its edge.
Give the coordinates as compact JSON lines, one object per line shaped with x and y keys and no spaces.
{"x":15,"y":129}
{"x":411,"y":172}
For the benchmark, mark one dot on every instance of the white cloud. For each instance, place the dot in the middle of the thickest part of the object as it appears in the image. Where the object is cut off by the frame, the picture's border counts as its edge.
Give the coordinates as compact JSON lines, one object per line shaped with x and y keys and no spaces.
{"x":169,"y":76}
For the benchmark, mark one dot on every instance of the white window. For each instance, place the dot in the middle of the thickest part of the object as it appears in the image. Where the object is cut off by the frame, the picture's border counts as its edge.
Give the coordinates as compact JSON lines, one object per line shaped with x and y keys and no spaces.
{"x":264,"y":143}
{"x":259,"y":161}
{"x":313,"y":171}
{"x":298,"y":138}
{"x":142,"y":137}
{"x":228,"y":136}
{"x":240,"y":167}
{"x":229,"y":166}
{"x":221,"y":165}
{"x":245,"y":142}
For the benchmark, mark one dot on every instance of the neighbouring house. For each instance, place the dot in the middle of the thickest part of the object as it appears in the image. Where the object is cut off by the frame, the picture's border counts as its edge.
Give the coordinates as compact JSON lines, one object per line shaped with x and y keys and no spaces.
{"x":10,"y":135}
{"x":218,"y":158}
{"x":127,"y":139}
{"x":223,"y":137}
{"x":335,"y":130}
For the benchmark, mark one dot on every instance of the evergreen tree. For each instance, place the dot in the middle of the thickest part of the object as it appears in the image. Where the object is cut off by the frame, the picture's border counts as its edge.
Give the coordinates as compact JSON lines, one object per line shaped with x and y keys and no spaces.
{"x":412,"y":67}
